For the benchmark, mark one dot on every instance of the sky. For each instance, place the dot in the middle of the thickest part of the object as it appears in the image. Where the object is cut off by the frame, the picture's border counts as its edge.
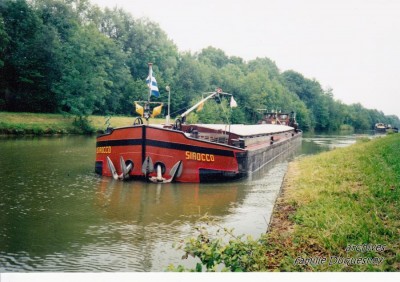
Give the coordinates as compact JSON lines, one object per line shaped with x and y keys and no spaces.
{"x":350,"y":46}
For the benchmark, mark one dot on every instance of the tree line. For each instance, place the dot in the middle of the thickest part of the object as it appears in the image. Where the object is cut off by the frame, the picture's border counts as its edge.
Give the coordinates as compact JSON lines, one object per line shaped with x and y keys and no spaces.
{"x":72,"y":57}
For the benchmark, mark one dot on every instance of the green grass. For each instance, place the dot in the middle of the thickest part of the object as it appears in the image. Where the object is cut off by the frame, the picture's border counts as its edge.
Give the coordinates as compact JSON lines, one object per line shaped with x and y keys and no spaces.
{"x":345,"y":197}
{"x":348,"y":196}
{"x":40,"y":124}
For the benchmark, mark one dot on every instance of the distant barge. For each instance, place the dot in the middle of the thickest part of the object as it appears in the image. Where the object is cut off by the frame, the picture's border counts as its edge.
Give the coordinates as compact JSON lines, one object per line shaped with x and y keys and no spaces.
{"x":381,"y":128}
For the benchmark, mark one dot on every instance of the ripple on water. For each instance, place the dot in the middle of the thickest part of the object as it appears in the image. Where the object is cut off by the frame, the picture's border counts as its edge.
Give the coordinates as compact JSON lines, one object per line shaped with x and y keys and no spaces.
{"x":15,"y":262}
{"x":110,"y":236}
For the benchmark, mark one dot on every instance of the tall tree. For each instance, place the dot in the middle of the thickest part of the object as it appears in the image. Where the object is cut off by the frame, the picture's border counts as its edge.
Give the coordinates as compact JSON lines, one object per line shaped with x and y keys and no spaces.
{"x":4,"y":40}
{"x":213,"y":57}
{"x":23,"y":74}
{"x":71,"y":56}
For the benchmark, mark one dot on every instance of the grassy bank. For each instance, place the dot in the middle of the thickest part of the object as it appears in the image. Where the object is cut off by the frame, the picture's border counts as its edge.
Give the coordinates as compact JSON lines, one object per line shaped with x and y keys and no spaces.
{"x":40,"y":124}
{"x":340,"y":200}
{"x":338,"y":211}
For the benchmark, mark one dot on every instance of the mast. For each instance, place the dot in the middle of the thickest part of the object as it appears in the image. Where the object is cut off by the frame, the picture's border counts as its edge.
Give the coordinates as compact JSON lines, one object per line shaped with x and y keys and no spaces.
{"x":147,"y":104}
{"x":198,"y":104}
{"x":213,"y":94}
{"x":150,"y":79}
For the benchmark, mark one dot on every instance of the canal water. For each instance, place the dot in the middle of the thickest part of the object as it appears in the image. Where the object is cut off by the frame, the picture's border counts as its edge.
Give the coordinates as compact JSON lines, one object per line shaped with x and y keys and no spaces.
{"x":56,"y":215}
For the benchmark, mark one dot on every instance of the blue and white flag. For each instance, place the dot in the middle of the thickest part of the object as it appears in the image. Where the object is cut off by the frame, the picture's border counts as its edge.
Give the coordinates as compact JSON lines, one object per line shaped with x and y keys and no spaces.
{"x":152,"y":84}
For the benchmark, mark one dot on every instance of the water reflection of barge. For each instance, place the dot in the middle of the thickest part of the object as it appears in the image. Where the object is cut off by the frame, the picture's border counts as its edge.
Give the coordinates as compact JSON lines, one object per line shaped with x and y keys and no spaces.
{"x":148,"y":204}
{"x":193,"y":152}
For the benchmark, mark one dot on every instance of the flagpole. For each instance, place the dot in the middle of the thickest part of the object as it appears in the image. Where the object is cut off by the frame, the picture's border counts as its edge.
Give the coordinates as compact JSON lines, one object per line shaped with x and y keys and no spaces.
{"x":147,"y":105}
{"x":150,"y":78}
{"x":169,"y":101}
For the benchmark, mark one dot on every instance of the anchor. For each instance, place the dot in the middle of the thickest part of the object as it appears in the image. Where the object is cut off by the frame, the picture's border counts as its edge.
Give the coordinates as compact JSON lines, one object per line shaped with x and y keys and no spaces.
{"x":124,"y":168}
{"x":112,"y":168}
{"x":148,"y":167}
{"x":176,"y":171}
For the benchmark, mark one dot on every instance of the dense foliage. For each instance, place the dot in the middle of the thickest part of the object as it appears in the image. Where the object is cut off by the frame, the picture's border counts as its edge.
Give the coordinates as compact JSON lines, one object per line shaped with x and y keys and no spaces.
{"x":223,"y":251}
{"x":69,"y":56}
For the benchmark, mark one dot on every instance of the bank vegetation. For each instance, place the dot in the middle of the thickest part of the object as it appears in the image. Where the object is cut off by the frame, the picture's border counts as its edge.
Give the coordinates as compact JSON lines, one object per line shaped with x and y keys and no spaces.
{"x":59,"y":124}
{"x":338,"y":211}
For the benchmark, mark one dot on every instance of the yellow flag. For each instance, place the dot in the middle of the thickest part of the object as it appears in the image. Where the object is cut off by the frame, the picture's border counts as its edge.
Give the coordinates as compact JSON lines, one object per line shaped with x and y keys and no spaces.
{"x":139,"y":109}
{"x":157,"y":111}
{"x":200,"y":107}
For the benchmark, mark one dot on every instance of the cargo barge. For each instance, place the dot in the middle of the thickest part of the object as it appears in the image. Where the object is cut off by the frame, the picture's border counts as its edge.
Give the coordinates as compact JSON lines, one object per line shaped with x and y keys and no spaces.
{"x":182,"y":152}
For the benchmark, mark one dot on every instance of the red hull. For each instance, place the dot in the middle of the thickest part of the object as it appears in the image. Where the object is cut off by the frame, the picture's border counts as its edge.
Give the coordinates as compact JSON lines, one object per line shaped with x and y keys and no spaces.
{"x":201,"y":160}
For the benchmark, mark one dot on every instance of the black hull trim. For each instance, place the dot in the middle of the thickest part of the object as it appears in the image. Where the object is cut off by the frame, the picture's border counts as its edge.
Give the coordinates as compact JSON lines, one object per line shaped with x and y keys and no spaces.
{"x":166,"y":145}
{"x":211,"y":175}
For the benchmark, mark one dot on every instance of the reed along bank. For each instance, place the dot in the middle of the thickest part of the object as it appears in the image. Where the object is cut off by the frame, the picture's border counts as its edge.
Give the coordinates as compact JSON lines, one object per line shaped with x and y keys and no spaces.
{"x":340,"y":211}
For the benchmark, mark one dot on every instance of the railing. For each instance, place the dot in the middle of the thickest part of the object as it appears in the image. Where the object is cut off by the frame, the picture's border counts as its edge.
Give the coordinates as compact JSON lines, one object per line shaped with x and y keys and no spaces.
{"x":212,"y":137}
